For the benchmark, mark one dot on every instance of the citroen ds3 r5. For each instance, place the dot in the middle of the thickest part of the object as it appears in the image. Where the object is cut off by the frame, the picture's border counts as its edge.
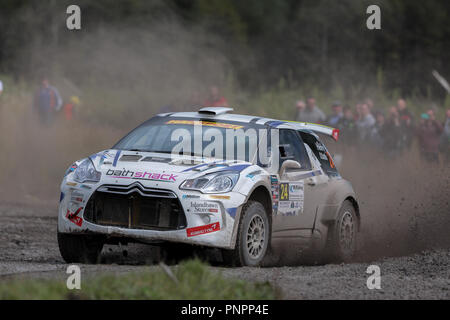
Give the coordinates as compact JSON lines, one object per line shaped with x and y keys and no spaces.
{"x":239,"y":183}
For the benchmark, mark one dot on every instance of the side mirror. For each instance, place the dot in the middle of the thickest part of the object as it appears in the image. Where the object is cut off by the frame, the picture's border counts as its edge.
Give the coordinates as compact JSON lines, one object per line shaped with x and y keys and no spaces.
{"x":289,"y":165}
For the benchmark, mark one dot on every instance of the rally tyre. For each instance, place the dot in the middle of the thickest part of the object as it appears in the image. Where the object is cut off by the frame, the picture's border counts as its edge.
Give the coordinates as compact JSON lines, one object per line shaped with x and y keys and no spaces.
{"x":253,"y":237}
{"x":341,"y":246}
{"x":79,"y":248}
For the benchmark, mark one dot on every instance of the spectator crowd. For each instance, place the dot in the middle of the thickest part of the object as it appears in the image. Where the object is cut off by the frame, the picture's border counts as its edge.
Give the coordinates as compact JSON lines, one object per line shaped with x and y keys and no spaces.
{"x":391,"y":132}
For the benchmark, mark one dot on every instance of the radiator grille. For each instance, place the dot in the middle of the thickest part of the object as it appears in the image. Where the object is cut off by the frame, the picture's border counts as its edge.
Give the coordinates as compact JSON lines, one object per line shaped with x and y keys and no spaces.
{"x":135,"y":207}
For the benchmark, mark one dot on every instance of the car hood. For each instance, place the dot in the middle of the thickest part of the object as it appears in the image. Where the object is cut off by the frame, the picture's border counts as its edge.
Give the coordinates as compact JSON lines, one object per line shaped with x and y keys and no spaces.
{"x":137,"y":165}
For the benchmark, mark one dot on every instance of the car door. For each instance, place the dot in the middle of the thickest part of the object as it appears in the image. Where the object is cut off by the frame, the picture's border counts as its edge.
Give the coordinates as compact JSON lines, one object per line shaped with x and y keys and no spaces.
{"x":319,"y":186}
{"x":296,"y":207}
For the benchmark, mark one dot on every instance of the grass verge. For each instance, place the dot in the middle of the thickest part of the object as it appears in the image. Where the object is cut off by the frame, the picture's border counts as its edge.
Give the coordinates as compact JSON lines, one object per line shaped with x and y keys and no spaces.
{"x":192,"y":280}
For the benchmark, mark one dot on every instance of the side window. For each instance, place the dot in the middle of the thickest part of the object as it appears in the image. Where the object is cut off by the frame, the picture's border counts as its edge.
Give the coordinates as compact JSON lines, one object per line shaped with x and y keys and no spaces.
{"x":321,"y":152}
{"x":292,"y":148}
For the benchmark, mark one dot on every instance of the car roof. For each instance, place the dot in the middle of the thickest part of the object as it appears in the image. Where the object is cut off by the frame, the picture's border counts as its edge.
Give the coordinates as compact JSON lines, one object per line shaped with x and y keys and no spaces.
{"x":224,"y":113}
{"x":225,"y":116}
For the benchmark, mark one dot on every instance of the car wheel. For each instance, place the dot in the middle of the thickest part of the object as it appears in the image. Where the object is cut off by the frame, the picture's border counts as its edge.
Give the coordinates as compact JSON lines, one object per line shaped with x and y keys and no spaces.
{"x":79,"y":248}
{"x":343,"y":235}
{"x":253,"y":237}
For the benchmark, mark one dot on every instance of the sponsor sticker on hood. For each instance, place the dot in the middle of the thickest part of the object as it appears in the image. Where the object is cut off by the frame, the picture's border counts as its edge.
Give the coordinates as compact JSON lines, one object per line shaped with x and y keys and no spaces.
{"x":141,"y":175}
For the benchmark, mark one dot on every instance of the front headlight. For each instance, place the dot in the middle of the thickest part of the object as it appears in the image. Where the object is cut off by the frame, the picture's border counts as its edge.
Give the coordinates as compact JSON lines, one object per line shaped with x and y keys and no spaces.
{"x":217,"y":182}
{"x":86,"y":172}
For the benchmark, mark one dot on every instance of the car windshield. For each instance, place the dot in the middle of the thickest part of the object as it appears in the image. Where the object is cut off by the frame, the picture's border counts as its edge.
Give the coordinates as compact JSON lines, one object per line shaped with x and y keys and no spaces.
{"x":204,"y":138}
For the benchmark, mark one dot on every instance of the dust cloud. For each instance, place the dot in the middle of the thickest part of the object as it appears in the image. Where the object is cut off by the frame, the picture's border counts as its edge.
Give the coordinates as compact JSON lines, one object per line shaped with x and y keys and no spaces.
{"x":122,"y":75}
{"x":404,"y":201}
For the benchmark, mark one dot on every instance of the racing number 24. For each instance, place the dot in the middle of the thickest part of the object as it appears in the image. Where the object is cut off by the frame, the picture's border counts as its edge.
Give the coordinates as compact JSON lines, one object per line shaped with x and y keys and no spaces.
{"x":284,"y":188}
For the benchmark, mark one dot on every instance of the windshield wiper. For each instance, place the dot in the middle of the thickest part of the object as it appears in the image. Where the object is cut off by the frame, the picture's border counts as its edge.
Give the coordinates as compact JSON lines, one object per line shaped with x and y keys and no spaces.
{"x":139,"y":150}
{"x":192,"y":154}
{"x":160,"y":151}
{"x":146,"y":150}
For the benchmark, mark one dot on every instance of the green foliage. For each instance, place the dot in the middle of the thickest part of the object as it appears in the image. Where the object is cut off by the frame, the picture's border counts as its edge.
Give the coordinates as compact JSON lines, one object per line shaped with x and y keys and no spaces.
{"x":324,"y":42}
{"x":447,"y":101}
{"x":194,"y":281}
{"x":135,"y":58}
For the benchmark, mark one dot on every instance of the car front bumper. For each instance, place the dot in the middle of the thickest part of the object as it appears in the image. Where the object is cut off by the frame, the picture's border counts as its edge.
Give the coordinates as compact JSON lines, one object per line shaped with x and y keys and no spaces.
{"x":211,"y":219}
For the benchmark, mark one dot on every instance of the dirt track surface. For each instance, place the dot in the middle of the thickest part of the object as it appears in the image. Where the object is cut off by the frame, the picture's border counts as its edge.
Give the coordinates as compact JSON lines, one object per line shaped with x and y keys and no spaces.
{"x":28,"y":248}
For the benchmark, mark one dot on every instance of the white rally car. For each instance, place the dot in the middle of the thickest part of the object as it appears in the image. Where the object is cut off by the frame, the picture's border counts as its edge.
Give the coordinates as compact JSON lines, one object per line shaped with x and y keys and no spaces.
{"x":243,"y":184}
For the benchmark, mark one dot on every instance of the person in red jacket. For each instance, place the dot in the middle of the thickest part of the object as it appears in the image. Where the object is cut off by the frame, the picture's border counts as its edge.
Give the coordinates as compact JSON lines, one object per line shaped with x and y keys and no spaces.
{"x":69,"y":108}
{"x":215,"y":99}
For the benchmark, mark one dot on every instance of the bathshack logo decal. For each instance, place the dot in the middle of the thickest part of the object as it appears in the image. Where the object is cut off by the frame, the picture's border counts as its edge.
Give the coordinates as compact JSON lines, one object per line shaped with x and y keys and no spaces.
{"x":196,"y":231}
{"x":127,"y":174}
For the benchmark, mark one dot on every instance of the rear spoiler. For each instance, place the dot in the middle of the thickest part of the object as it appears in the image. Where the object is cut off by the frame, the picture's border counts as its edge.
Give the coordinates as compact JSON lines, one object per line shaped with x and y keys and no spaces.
{"x":318,"y":128}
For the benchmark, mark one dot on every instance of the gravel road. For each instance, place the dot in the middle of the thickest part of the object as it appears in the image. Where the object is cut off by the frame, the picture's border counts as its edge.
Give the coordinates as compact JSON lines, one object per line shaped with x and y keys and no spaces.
{"x":28,"y":248}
